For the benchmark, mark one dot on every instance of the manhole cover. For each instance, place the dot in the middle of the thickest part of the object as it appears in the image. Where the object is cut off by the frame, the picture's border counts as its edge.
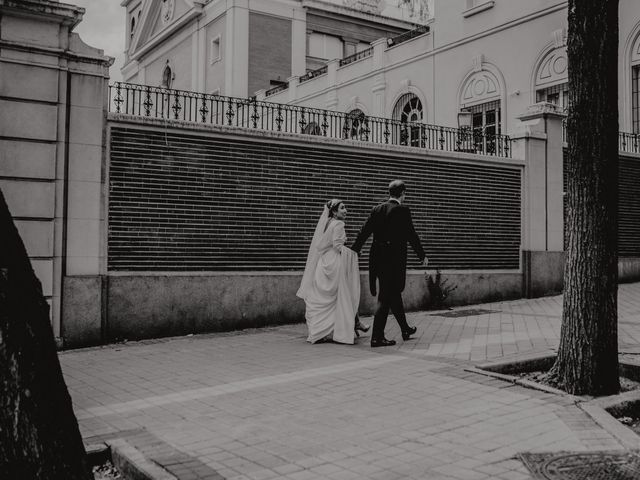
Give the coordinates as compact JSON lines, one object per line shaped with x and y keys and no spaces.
{"x":464,"y":313}
{"x":583,"y":466}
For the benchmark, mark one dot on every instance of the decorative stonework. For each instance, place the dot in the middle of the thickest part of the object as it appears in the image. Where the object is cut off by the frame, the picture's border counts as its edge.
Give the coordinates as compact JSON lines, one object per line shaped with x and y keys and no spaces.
{"x":635,"y":52}
{"x":540,"y":109}
{"x":367,"y":6}
{"x":553,"y":68}
{"x":480,"y":87}
{"x":559,"y":38}
{"x":167,"y":9}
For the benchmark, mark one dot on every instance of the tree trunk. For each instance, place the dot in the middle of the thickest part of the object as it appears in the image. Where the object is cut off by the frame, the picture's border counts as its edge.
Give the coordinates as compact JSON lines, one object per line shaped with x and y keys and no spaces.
{"x":39,"y":435}
{"x":587,"y":360}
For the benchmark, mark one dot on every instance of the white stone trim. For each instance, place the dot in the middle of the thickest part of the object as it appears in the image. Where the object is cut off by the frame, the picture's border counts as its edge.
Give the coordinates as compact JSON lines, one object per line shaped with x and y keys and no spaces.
{"x":213,"y":59}
{"x":630,"y":58}
{"x":492,"y":75}
{"x":473,"y":7}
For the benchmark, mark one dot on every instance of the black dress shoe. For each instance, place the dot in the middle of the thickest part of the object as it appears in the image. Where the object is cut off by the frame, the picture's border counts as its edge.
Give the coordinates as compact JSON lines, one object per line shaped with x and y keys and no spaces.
{"x":383,"y":342}
{"x":406,"y":335}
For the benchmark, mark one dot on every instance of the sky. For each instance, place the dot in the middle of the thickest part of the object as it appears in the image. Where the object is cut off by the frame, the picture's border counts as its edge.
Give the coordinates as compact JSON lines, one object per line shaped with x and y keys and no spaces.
{"x":103,"y":27}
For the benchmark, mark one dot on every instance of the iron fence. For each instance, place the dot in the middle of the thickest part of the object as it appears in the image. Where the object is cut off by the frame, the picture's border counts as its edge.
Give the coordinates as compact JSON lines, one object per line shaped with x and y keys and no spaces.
{"x":158,"y":102}
{"x":312,"y":74}
{"x":403,"y":37}
{"x":277,"y":89}
{"x":367,"y":52}
{"x":627,"y":142}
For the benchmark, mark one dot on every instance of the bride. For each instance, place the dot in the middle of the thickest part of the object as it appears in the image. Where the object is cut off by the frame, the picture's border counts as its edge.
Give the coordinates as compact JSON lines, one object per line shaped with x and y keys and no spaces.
{"x":330,"y":284}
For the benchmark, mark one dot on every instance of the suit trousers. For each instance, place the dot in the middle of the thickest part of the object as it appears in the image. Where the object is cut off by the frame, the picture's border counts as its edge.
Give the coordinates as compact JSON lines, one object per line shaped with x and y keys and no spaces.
{"x":391,"y":300}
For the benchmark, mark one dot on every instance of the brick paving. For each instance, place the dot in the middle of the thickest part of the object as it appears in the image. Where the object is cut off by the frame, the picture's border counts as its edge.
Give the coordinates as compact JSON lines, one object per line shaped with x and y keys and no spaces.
{"x":264,"y":404}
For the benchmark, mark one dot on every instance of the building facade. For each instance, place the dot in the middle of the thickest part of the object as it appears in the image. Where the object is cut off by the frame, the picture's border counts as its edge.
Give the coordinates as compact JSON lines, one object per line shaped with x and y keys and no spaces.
{"x":488,"y":59}
{"x":236,"y":47}
{"x":52,"y":113}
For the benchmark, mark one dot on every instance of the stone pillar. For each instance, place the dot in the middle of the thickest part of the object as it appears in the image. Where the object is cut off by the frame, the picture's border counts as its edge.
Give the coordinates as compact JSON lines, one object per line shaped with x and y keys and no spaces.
{"x":52,"y":128}
{"x":292,"y":90}
{"x":350,"y":46}
{"x":299,"y":42}
{"x":539,"y":144}
{"x":236,"y":74}
{"x":378,"y":90}
{"x":331,"y":100}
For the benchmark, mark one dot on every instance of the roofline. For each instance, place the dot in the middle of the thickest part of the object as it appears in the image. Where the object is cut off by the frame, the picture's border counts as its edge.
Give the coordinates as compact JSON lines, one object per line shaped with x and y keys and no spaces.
{"x":324,"y":6}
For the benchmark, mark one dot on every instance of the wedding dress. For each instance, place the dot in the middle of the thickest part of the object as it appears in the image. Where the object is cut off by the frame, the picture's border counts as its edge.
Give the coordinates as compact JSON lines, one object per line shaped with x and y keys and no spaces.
{"x":330,"y":285}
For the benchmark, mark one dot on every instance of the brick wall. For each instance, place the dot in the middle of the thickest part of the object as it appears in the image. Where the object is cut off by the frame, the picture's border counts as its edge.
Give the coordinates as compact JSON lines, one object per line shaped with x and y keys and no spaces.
{"x":628,"y":205}
{"x":181,"y":201}
{"x":269,"y":50}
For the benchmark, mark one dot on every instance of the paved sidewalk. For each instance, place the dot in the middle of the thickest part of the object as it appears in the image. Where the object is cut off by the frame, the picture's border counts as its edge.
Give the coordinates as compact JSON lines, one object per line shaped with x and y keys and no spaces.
{"x":264,"y":404}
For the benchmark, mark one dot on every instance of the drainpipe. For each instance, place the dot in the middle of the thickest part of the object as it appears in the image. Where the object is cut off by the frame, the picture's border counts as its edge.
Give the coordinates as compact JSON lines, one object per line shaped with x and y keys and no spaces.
{"x":65,"y":201}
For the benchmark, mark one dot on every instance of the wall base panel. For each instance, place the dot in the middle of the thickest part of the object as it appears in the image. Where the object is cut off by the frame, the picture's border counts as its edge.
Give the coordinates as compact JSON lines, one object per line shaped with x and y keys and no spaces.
{"x":83,"y":315}
{"x":133,"y":307}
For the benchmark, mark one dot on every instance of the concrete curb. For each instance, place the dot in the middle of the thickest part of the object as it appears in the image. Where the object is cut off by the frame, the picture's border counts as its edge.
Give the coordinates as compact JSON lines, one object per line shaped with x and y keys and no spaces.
{"x":133,"y":464}
{"x":523,"y":383}
{"x":596,"y":409}
{"x":97,"y":453}
{"x":624,"y":435}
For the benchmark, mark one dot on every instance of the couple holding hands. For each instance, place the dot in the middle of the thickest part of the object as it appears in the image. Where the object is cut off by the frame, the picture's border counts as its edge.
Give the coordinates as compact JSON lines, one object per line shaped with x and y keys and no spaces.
{"x":330,"y":284}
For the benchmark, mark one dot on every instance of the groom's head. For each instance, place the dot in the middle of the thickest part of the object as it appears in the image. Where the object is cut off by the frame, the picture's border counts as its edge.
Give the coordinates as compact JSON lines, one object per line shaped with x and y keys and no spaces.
{"x":397,"y":189}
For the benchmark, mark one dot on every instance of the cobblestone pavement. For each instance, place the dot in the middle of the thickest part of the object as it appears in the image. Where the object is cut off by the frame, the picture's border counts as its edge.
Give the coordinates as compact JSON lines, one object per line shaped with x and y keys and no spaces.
{"x":264,"y":404}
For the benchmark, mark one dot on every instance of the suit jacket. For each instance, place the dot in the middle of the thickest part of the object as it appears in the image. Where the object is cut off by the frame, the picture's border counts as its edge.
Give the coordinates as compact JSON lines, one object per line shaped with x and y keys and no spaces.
{"x":392,"y":228}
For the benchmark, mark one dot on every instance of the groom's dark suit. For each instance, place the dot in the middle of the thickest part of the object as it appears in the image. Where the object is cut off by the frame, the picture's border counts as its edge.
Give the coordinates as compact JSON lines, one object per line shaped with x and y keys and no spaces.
{"x":392,"y":228}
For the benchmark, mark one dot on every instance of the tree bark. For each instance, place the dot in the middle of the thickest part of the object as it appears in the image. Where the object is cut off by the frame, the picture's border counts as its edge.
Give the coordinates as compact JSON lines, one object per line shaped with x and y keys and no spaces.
{"x":587,"y":360}
{"x":39,"y":434}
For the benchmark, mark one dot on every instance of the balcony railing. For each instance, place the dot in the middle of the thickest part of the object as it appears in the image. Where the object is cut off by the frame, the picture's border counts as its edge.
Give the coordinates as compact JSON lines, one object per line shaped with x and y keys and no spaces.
{"x":627,"y":142}
{"x":313,"y":74}
{"x":403,"y":37}
{"x":158,"y":102}
{"x":276,"y":89}
{"x":356,"y":56}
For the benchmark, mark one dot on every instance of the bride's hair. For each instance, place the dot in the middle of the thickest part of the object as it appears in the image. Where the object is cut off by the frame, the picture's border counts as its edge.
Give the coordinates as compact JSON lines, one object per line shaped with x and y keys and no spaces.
{"x":333,"y":206}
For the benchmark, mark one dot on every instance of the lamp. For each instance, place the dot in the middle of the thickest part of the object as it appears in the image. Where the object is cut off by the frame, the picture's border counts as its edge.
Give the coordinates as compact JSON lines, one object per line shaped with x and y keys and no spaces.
{"x":463,"y":140}
{"x":464,"y":119}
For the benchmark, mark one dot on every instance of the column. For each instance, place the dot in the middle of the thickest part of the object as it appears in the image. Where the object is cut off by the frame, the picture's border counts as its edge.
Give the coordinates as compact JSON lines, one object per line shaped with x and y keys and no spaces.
{"x":299,"y":42}
{"x":237,"y":49}
{"x":539,"y":144}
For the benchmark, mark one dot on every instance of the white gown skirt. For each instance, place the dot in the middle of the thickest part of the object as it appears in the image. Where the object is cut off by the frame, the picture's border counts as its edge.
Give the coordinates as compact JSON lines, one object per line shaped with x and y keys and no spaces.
{"x":332,"y":301}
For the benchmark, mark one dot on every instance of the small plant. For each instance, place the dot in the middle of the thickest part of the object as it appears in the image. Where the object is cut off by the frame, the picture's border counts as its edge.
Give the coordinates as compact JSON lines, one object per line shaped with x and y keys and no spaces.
{"x":439,"y":289}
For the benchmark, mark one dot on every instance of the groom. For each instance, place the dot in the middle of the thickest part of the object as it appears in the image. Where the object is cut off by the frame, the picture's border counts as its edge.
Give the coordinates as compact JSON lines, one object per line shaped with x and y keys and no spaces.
{"x":392,"y":227}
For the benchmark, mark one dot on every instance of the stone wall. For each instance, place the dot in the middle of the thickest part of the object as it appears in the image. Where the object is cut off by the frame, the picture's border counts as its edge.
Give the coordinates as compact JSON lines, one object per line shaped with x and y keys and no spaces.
{"x":52,"y":118}
{"x":209,"y":226}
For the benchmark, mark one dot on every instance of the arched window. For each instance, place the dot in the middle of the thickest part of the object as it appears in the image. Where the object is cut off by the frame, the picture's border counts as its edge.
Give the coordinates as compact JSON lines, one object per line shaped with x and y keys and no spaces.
{"x":481,"y":95}
{"x":551,"y":78}
{"x":408,"y":110}
{"x":356,"y":125}
{"x":167,"y":77}
{"x":133,"y":26}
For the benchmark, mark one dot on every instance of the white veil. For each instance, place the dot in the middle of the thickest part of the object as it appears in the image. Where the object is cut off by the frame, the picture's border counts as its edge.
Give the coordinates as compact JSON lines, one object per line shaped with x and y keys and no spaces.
{"x":313,"y":255}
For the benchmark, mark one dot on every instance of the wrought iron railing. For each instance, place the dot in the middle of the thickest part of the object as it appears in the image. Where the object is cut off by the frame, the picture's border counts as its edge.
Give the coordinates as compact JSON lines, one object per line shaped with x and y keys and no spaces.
{"x":403,"y":37}
{"x":367,"y":52}
{"x":627,"y":142}
{"x":313,"y":74}
{"x":276,"y":89}
{"x":158,"y":102}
